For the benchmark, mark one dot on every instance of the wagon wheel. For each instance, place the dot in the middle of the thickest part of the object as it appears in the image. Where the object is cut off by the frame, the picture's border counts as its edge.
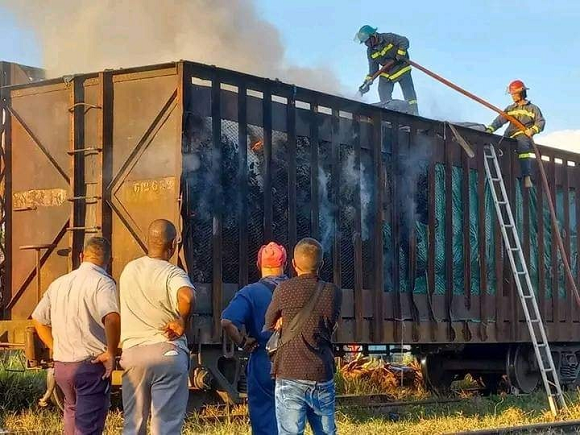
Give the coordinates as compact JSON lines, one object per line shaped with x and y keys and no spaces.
{"x":522,"y":368}
{"x":436,"y":377}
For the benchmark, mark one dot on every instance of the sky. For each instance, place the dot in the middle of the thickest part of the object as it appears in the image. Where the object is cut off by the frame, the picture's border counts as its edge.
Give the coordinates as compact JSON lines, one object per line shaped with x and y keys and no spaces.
{"x":481,"y":45}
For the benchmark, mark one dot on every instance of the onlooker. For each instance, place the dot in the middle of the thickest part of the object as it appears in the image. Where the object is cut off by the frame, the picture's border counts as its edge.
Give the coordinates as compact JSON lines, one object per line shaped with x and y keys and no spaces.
{"x":247,"y":310}
{"x":304,"y":365}
{"x":78,"y":318}
{"x":157,"y":299}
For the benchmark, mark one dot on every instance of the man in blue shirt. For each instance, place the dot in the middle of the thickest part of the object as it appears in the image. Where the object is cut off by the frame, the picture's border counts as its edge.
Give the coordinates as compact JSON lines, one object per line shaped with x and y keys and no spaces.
{"x":247,"y":310}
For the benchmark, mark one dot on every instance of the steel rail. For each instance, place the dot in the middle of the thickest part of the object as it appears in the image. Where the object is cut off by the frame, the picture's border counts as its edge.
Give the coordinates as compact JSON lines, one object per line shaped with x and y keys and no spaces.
{"x":560,"y":427}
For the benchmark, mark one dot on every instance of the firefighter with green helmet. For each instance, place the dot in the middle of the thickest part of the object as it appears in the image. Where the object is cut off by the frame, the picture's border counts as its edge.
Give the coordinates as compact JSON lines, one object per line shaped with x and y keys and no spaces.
{"x":381,"y":49}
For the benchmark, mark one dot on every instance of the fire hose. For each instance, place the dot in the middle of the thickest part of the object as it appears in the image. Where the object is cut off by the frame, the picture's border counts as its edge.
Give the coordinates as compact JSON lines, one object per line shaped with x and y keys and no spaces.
{"x":544,"y":179}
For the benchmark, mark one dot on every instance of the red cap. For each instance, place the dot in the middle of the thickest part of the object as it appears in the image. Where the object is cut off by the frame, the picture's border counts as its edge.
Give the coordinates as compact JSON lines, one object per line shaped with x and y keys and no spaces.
{"x":272,"y":255}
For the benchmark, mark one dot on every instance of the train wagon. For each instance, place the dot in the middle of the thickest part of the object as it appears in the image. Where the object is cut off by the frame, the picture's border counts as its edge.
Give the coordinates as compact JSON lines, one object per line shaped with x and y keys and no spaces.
{"x":406,"y":218}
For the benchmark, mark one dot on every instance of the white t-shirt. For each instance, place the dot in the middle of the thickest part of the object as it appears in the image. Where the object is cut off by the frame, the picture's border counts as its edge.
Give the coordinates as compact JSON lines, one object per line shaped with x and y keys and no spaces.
{"x":148,"y":294}
{"x":75,"y":305}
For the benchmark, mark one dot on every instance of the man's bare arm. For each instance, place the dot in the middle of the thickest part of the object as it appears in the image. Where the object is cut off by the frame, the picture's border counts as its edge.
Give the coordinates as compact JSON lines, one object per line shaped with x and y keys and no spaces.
{"x":112,"y":322}
{"x":185,"y":306}
{"x":44,"y":332}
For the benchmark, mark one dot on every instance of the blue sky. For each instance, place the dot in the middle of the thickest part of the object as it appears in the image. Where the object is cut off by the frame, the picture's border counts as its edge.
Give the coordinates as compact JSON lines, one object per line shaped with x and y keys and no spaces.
{"x":481,"y":45}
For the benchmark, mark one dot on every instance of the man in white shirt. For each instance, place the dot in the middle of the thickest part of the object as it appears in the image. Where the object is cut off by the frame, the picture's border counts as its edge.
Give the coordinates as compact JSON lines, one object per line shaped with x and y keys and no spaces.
{"x":157,"y":299}
{"x":78,"y":318}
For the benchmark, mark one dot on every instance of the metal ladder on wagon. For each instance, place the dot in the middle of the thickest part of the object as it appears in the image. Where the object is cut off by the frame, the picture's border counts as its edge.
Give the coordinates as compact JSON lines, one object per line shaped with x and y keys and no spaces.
{"x":523,"y":282}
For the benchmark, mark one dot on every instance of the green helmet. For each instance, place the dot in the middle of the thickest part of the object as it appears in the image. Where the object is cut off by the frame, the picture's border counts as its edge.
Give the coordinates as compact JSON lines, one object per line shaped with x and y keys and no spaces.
{"x":364,"y":33}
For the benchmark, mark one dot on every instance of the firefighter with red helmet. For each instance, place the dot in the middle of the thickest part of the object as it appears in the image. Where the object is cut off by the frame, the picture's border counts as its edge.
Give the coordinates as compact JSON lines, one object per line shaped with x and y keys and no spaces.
{"x":528,"y":114}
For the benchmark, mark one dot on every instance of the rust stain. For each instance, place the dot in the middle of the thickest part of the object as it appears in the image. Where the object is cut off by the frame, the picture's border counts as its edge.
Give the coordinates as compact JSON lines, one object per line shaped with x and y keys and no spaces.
{"x":39,"y":198}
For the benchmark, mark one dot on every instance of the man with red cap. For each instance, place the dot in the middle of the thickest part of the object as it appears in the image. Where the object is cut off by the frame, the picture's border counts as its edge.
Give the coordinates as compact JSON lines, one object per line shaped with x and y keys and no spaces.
{"x":247,"y":310}
{"x":528,"y":114}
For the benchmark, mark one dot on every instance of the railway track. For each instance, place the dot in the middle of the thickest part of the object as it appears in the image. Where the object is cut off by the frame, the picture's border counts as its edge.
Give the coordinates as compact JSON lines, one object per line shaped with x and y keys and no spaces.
{"x":558,"y":427}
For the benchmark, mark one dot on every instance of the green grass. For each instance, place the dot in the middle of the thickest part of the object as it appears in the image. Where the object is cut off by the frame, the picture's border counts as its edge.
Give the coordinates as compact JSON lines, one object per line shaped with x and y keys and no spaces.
{"x":19,"y":393}
{"x":478,"y":413}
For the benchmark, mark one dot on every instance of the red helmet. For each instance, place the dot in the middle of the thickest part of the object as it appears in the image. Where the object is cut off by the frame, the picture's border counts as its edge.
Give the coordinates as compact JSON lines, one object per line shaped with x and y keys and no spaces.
{"x":516,"y":86}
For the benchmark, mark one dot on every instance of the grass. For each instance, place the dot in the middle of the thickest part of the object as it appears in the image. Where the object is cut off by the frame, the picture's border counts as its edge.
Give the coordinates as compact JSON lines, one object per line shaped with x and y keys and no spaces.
{"x":479,"y":413}
{"x":19,"y":393}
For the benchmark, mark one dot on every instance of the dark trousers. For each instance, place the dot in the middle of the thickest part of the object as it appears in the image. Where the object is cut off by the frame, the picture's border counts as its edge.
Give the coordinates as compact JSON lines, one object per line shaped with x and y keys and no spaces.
{"x":524,"y":151}
{"x":86,"y":396}
{"x":386,"y":87}
{"x":261,"y":401}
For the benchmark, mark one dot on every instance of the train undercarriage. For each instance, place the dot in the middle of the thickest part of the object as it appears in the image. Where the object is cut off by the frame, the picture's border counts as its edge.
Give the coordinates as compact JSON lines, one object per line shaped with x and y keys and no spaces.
{"x":513,"y":364}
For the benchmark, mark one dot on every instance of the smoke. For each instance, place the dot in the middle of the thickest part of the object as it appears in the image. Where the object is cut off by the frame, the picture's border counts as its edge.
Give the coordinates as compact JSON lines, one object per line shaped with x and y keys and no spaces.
{"x":413,"y":181}
{"x":326,"y":213}
{"x":86,"y":35}
{"x":355,"y":176}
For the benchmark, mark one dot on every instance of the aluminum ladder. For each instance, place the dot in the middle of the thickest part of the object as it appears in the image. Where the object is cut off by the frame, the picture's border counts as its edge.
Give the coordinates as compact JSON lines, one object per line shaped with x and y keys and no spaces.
{"x":520,"y":272}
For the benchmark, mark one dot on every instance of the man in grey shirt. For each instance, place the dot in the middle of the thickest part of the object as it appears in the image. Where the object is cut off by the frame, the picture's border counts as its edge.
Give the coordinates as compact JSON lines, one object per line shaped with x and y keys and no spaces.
{"x":78,"y":319}
{"x":157,"y":299}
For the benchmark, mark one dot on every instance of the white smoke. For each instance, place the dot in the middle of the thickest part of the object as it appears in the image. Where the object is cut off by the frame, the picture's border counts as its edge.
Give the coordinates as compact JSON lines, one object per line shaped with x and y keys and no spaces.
{"x":568,"y":140}
{"x":86,"y":35}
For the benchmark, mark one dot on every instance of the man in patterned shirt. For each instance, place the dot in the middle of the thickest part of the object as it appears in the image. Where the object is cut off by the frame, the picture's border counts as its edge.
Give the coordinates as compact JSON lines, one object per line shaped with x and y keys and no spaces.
{"x":304,"y":365}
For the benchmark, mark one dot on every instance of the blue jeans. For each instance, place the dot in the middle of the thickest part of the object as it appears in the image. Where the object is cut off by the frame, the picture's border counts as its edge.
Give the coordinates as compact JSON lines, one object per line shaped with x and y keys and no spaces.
{"x":298,"y":401}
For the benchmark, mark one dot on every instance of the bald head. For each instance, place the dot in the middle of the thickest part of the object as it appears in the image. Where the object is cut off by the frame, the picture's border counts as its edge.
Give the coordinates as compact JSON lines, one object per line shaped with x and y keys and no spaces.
{"x":160,"y":239}
{"x":307,"y":256}
{"x":97,"y":250}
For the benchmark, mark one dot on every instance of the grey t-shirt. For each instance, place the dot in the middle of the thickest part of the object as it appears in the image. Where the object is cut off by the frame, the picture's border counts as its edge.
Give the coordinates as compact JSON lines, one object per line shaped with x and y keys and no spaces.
{"x":148,"y":292}
{"x":74,"y":305}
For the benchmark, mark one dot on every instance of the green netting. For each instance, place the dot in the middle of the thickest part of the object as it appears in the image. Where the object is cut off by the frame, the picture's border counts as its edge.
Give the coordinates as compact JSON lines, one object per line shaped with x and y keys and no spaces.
{"x":419,"y":282}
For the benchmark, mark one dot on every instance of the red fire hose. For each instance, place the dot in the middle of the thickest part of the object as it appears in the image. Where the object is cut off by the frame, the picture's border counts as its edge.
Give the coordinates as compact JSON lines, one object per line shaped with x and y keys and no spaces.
{"x":543,"y":177}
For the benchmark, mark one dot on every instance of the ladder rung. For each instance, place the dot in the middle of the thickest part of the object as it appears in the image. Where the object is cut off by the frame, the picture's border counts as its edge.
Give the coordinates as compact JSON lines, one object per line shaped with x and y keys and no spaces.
{"x":89,"y":150}
{"x":541,"y":345}
{"x":502,"y":202}
{"x":520,"y":272}
{"x":495,"y":179}
{"x":508,"y":225}
{"x":535,"y":320}
{"x":514,"y":249}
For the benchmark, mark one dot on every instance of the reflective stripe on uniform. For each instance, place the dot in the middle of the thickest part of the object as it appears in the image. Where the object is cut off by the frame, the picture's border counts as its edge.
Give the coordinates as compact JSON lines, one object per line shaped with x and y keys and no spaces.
{"x":385,"y":75}
{"x":368,"y":77}
{"x":526,"y":155}
{"x":400,"y":72}
{"x":401,"y":52}
{"x":536,"y":128}
{"x":517,"y":133}
{"x":412,"y":101}
{"x":490,"y":129}
{"x":382,"y":52}
{"x":522,"y":112}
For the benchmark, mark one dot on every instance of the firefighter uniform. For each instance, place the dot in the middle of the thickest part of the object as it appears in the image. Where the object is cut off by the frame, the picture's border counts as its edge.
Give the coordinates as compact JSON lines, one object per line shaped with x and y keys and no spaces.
{"x":531,"y":116}
{"x":392,"y":47}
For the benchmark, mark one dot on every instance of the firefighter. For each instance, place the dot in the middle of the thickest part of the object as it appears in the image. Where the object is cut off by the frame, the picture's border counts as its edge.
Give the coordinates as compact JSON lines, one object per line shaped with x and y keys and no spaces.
{"x":529,"y":115}
{"x":383,"y":48}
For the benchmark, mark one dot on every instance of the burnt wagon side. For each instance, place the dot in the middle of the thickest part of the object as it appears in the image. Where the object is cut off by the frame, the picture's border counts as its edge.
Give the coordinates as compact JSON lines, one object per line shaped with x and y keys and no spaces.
{"x":404,"y":215}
